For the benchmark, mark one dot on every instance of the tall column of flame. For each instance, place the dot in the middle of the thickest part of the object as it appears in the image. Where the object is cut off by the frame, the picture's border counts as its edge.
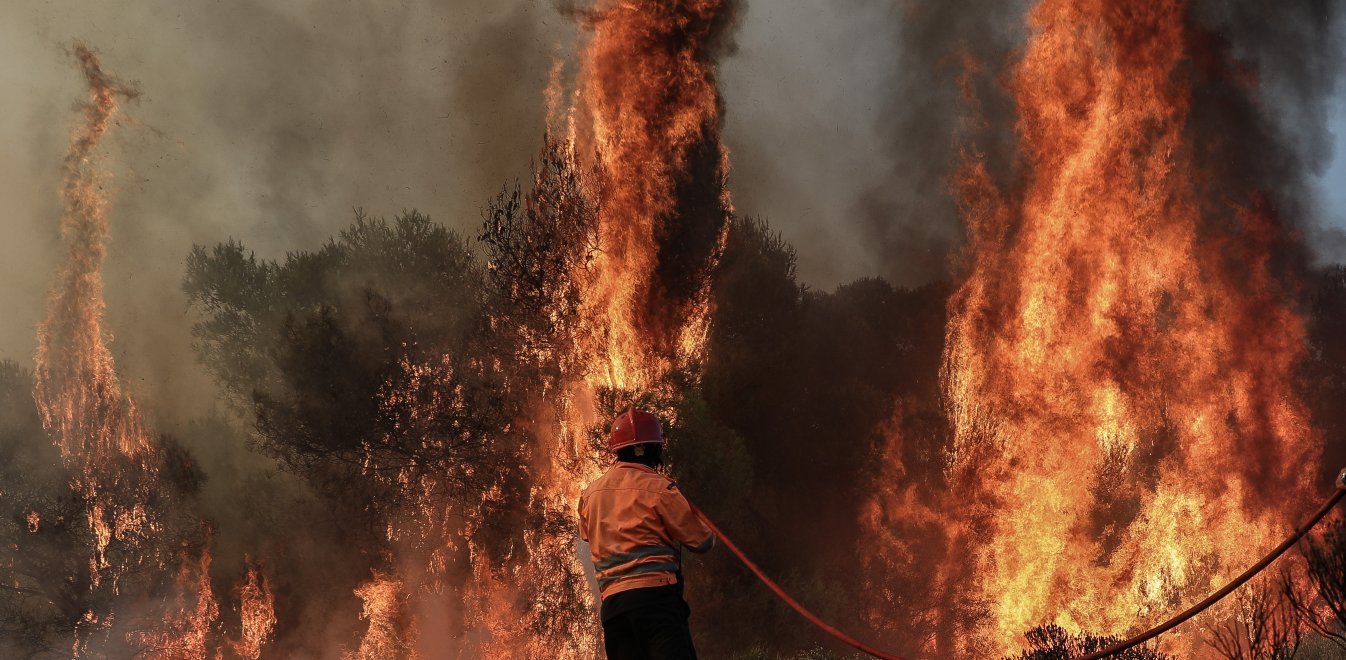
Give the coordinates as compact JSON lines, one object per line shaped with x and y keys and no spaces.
{"x":646,"y":104}
{"x":1119,"y":359}
{"x":385,"y":600}
{"x":644,"y":131}
{"x":257,"y":612}
{"x":647,"y":100}
{"x":94,"y":422}
{"x":644,"y":128}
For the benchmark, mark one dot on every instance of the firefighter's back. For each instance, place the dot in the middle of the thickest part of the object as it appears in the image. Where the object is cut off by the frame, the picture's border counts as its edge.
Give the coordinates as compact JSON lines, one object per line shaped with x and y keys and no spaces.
{"x":636,"y":523}
{"x":630,"y":544}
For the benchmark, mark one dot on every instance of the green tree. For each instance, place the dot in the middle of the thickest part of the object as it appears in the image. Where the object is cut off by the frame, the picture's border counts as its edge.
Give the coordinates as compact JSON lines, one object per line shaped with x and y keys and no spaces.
{"x":361,"y":361}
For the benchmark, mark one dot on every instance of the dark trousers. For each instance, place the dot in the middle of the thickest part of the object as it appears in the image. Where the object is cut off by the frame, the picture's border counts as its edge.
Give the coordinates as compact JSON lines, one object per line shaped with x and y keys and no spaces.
{"x":650,"y":631}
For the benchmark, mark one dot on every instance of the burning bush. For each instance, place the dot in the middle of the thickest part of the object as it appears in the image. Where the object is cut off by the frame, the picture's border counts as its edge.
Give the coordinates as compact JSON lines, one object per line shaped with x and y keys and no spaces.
{"x":1051,"y":642}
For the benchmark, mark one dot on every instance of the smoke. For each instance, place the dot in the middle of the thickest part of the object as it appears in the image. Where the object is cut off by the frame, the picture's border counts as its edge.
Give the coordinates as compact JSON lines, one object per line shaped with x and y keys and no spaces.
{"x":269,"y":121}
{"x":845,"y":120}
{"x":1296,"y":82}
{"x":1266,"y":149}
{"x":944,"y":96}
{"x":263,"y":120}
{"x":1279,"y":140}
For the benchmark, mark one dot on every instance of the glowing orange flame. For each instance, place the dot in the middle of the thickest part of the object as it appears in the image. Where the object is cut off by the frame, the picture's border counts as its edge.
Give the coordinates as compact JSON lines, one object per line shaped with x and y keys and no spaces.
{"x":76,"y":387}
{"x":384,"y":608}
{"x":195,"y":625}
{"x":646,"y":101}
{"x":257,"y":612}
{"x":1119,"y":358}
{"x":647,"y":98}
{"x":94,"y":422}
{"x":79,"y":397}
{"x":644,"y":118}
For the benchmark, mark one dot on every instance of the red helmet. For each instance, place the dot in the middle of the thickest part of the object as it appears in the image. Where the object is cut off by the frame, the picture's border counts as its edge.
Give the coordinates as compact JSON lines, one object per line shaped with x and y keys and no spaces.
{"x":635,"y":427}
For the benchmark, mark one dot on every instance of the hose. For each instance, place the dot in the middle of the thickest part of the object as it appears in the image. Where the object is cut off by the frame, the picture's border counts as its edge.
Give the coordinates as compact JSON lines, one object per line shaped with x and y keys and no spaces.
{"x":789,"y":600}
{"x":1123,"y":645}
{"x":1225,"y":590}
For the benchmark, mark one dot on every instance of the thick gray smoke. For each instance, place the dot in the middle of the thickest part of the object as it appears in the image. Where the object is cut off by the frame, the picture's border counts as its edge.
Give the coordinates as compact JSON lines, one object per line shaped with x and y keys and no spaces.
{"x":845,"y":119}
{"x":264,"y":121}
{"x":1294,"y":52}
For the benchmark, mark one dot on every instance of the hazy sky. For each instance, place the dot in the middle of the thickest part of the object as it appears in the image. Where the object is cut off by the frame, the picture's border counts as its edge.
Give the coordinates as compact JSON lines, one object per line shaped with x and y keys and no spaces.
{"x":269,"y":120}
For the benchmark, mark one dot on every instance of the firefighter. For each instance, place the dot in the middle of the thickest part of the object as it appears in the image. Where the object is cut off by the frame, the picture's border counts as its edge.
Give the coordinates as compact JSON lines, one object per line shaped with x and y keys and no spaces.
{"x":636,"y":523}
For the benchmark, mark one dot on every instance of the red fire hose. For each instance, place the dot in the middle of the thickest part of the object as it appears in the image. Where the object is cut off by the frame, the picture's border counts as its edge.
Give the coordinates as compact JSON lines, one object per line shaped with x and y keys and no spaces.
{"x":1225,"y":590}
{"x":789,"y":600}
{"x":1111,"y":650}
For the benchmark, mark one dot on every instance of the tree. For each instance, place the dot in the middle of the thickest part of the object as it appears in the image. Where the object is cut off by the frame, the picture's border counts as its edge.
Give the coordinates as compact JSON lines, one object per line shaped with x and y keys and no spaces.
{"x":44,"y":540}
{"x":1264,"y":625}
{"x":368,"y":369}
{"x":47,"y":588}
{"x":1321,"y":603}
{"x":364,"y":364}
{"x":536,"y":246}
{"x":399,"y":375}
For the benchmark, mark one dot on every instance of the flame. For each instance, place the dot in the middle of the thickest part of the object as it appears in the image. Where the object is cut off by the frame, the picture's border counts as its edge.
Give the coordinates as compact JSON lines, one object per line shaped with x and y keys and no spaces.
{"x":493,"y":614}
{"x":81,"y":401}
{"x":1119,"y":359}
{"x":644,"y":117}
{"x":388,"y":636}
{"x":257,"y":613}
{"x":187,"y":631}
{"x":647,"y":100}
{"x":96,"y":424}
{"x":93,"y":422}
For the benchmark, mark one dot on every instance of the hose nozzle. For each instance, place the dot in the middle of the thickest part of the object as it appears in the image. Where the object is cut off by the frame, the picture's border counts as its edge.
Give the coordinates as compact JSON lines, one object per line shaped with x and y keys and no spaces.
{"x":1341,"y":480}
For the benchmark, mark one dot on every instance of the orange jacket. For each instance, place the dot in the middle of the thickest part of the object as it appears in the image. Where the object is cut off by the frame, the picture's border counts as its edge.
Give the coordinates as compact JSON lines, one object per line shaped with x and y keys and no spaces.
{"x":634,"y":520}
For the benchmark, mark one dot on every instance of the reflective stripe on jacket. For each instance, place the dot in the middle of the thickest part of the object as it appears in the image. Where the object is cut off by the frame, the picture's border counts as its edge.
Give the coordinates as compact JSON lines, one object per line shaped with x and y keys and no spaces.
{"x":634,"y":520}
